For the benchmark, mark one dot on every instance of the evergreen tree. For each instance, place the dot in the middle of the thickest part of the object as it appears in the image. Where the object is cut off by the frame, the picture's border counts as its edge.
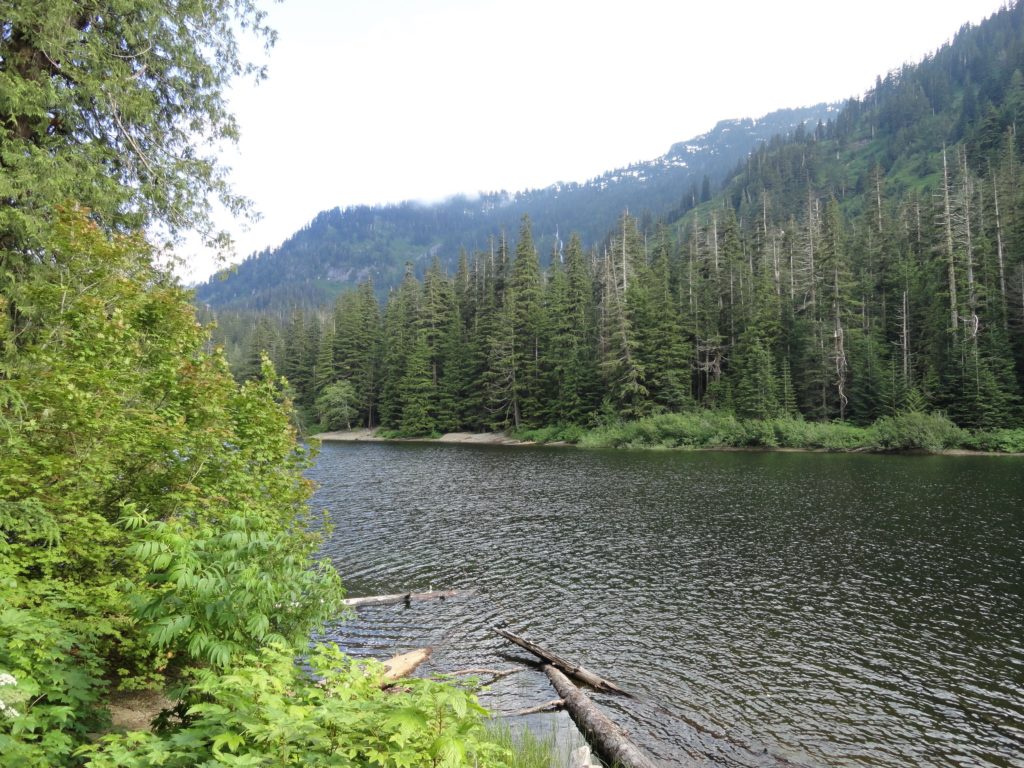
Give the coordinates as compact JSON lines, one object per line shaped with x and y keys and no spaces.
{"x":112,"y":126}
{"x":755,"y":393}
{"x":356,"y":347}
{"x":569,"y":363}
{"x":418,"y":390}
{"x":501,"y":389}
{"x":661,"y":348}
{"x":323,"y":369}
{"x":400,"y":329}
{"x":439,"y":323}
{"x":526,"y":299}
{"x":264,"y":342}
{"x":621,"y":369}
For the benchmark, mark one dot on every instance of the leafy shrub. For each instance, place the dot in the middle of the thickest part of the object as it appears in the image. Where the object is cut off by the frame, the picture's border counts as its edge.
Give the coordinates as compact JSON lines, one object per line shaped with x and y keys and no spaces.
{"x":759,"y":432}
{"x":137,"y":481}
{"x":917,"y":431}
{"x":693,"y":429}
{"x":556,"y":433}
{"x":811,"y":435}
{"x":267,"y":710}
{"x":997,"y":440}
{"x":50,"y":684}
{"x":336,"y":405}
{"x":218,"y":591}
{"x":721,"y":429}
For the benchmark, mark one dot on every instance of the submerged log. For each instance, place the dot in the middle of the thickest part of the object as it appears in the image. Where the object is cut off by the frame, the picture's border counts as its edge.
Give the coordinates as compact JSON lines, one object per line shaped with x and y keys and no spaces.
{"x":405,"y":664}
{"x":548,"y":706}
{"x":570,"y":668}
{"x":607,"y":738}
{"x":404,"y":597}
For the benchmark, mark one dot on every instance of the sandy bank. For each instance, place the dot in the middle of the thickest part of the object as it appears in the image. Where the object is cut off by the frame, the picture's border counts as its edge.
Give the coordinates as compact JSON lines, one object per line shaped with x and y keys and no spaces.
{"x":372,"y":435}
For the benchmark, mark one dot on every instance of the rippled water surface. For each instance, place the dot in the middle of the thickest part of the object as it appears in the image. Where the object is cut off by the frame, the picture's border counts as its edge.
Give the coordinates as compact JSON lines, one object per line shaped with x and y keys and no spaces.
{"x":839,"y":610}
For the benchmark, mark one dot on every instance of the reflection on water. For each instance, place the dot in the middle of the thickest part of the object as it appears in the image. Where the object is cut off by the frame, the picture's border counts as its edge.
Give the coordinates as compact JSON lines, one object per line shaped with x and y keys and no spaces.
{"x":838,"y":610}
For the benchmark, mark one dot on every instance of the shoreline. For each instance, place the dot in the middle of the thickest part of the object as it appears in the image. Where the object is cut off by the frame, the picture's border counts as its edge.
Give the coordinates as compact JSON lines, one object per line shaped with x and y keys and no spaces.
{"x":364,"y":435}
{"x":464,"y":438}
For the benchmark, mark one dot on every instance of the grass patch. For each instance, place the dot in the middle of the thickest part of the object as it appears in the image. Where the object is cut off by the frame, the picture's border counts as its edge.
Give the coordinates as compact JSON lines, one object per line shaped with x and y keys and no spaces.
{"x":931,"y":432}
{"x":820,"y":435}
{"x":997,"y":441}
{"x":717,"y":429}
{"x":528,"y":749}
{"x":710,"y":429}
{"x":557,"y":433}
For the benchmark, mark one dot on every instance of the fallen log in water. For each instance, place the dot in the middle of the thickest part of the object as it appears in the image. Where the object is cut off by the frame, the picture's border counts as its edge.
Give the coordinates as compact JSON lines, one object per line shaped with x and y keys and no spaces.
{"x":609,"y":740}
{"x":405,"y":664}
{"x":404,"y":597}
{"x":548,"y":706}
{"x":570,"y":668}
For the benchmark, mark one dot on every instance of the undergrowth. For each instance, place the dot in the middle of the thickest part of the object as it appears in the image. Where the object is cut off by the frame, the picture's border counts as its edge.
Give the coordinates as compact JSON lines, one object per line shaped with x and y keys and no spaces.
{"x":909,"y":431}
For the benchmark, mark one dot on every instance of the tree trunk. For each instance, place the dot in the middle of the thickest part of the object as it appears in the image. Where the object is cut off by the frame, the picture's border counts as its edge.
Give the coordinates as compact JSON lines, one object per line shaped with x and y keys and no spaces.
{"x":999,"y":251}
{"x":607,"y":738}
{"x":947,"y":221}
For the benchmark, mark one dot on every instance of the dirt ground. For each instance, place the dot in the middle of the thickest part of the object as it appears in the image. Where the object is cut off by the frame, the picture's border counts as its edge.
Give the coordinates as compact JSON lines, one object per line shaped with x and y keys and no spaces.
{"x":135,"y":710}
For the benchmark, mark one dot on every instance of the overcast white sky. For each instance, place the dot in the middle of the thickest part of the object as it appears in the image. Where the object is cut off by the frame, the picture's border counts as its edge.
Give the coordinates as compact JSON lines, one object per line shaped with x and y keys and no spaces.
{"x":376,"y":101}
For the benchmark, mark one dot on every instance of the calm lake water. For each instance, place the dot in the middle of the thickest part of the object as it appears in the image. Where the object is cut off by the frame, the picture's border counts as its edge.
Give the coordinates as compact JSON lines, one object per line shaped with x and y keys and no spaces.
{"x":829,"y":610}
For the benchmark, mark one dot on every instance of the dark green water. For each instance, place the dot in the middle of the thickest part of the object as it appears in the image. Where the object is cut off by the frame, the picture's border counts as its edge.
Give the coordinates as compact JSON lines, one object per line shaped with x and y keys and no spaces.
{"x":840,"y":610}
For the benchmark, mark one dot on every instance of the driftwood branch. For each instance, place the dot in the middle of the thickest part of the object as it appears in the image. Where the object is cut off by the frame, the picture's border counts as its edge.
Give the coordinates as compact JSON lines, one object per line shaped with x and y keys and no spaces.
{"x":404,"y":597}
{"x":568,"y":667}
{"x":548,"y":706}
{"x":609,"y":740}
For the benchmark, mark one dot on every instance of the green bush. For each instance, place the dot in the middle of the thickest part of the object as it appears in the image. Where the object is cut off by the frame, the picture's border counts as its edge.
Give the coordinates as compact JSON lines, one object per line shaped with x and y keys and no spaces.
{"x":815,"y":435}
{"x":267,"y":710}
{"x":556,"y":433}
{"x":215,"y":592}
{"x":931,"y":432}
{"x":998,"y":440}
{"x":149,"y":506}
{"x":693,"y":429}
{"x":760,"y":433}
{"x":50,"y":687}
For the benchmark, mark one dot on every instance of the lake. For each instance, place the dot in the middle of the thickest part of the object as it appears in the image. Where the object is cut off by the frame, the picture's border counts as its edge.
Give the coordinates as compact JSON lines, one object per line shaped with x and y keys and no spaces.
{"x":824,"y":609}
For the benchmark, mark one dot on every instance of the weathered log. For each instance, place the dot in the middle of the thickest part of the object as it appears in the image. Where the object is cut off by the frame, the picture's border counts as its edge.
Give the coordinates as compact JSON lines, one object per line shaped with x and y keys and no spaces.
{"x":570,"y":668}
{"x":606,"y":737}
{"x":405,"y":664}
{"x":404,"y":597}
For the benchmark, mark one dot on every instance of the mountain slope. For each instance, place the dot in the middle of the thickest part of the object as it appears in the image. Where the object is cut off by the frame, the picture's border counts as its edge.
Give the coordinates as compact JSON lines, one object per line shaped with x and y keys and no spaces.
{"x":340,"y":248}
{"x":879,"y":258}
{"x":869,"y":269}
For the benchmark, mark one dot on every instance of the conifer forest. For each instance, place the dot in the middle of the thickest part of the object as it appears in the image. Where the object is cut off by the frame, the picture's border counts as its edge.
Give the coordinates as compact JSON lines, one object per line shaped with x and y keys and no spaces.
{"x":849,"y":271}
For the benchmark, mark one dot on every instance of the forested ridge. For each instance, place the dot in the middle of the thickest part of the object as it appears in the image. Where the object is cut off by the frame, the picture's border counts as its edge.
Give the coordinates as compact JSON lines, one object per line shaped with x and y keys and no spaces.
{"x":862,"y":268}
{"x":340,"y":248}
